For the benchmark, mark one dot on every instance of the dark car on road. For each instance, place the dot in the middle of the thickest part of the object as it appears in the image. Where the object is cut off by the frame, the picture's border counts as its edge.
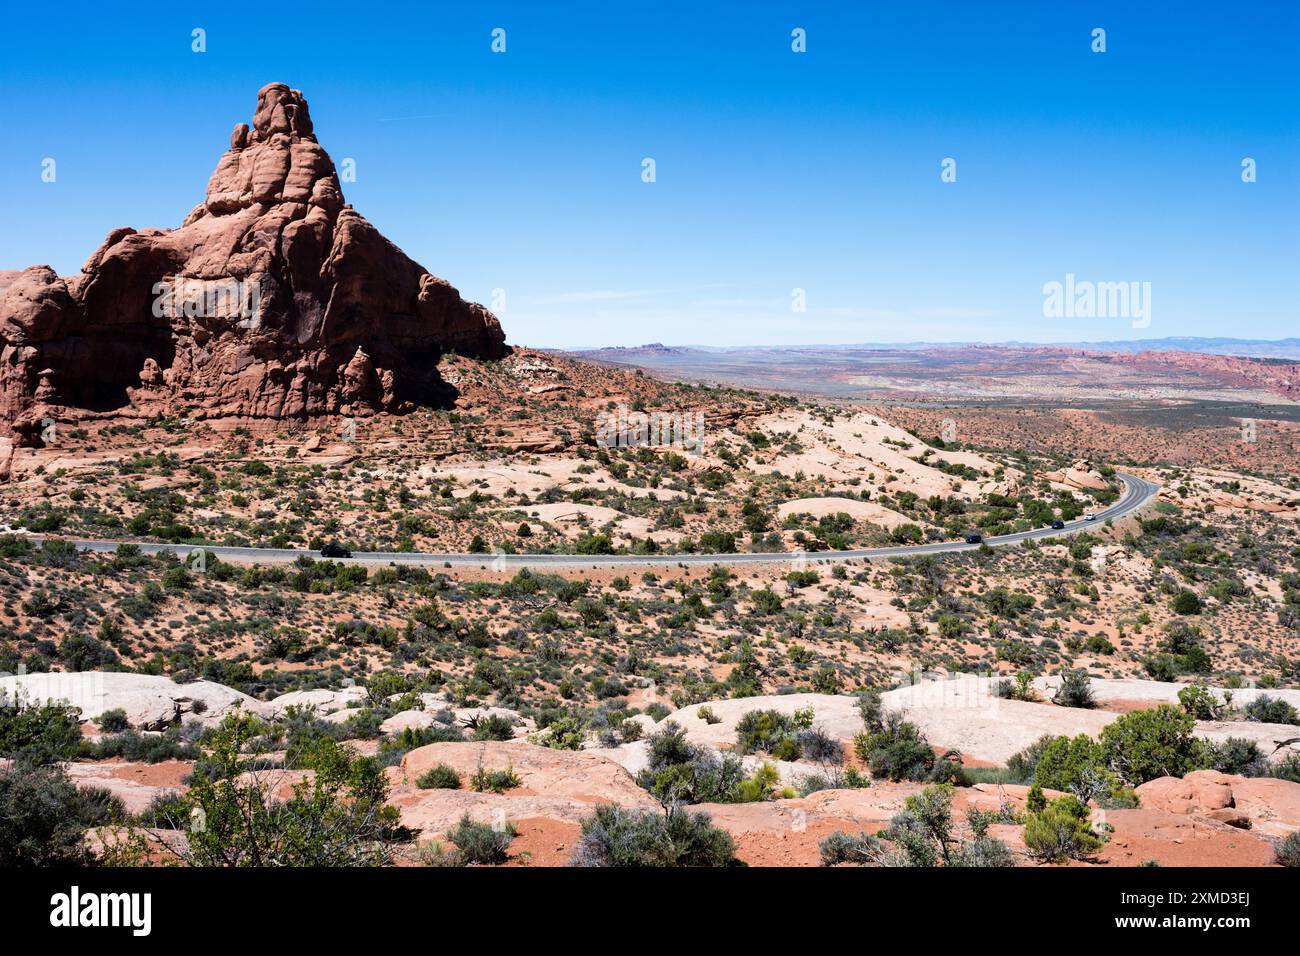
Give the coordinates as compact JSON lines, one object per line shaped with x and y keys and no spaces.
{"x":974,"y":538}
{"x":1058,"y":524}
{"x":335,"y":550}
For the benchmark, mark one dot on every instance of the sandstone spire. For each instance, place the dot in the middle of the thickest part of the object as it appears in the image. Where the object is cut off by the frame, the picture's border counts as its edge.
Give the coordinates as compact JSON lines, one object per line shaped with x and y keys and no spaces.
{"x":273,"y":300}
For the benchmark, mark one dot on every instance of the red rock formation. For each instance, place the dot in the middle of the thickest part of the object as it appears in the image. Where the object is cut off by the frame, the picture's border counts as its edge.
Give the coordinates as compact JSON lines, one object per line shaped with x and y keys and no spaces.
{"x":1267,"y":804}
{"x":1279,"y":377}
{"x":273,"y":300}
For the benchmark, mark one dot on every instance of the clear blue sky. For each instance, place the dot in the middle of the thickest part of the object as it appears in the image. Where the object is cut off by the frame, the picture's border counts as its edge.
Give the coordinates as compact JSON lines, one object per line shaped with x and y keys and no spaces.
{"x":775,"y":170}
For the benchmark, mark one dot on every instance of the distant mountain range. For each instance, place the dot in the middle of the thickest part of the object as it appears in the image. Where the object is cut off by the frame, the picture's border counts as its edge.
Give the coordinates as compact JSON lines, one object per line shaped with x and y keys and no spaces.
{"x":1170,"y":367}
{"x":1282,"y":349}
{"x":1249,"y":348}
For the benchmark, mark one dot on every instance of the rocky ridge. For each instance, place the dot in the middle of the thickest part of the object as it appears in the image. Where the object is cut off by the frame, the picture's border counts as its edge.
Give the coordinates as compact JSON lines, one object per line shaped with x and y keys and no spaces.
{"x":274,"y":300}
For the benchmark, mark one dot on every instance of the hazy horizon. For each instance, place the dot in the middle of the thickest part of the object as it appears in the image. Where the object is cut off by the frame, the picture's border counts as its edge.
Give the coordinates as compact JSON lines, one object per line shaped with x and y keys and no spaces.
{"x":922,"y":343}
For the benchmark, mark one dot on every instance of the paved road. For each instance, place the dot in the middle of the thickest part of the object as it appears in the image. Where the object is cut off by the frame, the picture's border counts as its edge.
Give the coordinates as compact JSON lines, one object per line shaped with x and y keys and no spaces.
{"x":1137,"y":492}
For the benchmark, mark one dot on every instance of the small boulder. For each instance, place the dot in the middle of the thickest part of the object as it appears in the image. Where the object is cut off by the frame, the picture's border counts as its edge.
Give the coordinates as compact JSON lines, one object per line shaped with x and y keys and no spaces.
{"x":407,"y":720}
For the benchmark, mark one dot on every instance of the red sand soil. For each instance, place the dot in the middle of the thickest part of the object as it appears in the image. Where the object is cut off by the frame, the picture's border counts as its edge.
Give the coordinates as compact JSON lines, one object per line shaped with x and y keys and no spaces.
{"x":790,"y":848}
{"x":1142,"y":835}
{"x":165,"y":773}
{"x":543,"y":842}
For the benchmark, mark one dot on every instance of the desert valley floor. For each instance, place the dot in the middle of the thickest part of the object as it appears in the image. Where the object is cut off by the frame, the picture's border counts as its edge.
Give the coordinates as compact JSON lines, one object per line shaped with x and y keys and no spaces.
{"x":805,"y":706}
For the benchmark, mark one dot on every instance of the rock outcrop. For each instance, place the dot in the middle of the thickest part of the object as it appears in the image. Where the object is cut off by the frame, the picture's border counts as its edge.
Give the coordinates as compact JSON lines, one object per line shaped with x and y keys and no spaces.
{"x":1267,"y":804}
{"x":558,"y":785}
{"x":150,"y":702}
{"x":273,"y":300}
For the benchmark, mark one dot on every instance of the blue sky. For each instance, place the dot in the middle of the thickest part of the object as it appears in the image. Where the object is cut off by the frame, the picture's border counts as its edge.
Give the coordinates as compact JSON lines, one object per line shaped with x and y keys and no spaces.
{"x":775,"y":170}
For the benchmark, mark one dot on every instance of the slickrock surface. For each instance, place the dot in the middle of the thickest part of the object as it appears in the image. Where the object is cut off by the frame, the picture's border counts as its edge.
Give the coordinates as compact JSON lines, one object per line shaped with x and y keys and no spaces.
{"x":560,"y":785}
{"x":964,"y":714}
{"x":150,"y":702}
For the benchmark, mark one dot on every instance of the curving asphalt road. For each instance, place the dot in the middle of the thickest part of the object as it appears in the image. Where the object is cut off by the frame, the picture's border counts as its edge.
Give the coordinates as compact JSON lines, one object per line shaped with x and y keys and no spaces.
{"x":1137,"y":492}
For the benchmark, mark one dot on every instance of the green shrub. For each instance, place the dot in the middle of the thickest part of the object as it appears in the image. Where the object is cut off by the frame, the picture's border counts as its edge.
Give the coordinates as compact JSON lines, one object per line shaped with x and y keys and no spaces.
{"x":1060,"y":832}
{"x":1147,"y":744}
{"x":981,"y":820}
{"x":1288,"y":851}
{"x":565,"y":733}
{"x":1064,"y":760}
{"x":872,"y":709}
{"x":1181,"y":652}
{"x":1236,"y":755}
{"x":1186,"y":602}
{"x":1019,"y":688}
{"x":759,"y":785}
{"x":145,"y":748}
{"x":1000,"y":776}
{"x":392,"y":749}
{"x":1288,"y":768}
{"x":493,"y":727}
{"x":1035,"y":800}
{"x":39,"y":733}
{"x":337,"y":817}
{"x":480,"y":843}
{"x":494,"y":781}
{"x":44,"y":816}
{"x":841,"y":847}
{"x":922,"y":831}
{"x":659,"y":711}
{"x":983,"y":851}
{"x":1200,"y":702}
{"x":772,"y":732}
{"x":1023,"y":764}
{"x":767,"y":601}
{"x":1076,"y":765}
{"x":1097,"y":644}
{"x":680,"y":772}
{"x":1075,"y":690}
{"x":113,"y":721}
{"x":81,"y":652}
{"x":923,"y":834}
{"x":441,"y":777}
{"x":897,"y":751}
{"x":594,"y":544}
{"x":613,"y":836}
{"x":168,"y":810}
{"x":1271,"y":710}
{"x":815,"y":782}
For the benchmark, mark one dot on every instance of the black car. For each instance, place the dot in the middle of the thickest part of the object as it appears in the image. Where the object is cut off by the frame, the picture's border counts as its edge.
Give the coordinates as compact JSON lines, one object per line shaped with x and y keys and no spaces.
{"x":335,"y":550}
{"x":1058,"y":524}
{"x":974,"y":538}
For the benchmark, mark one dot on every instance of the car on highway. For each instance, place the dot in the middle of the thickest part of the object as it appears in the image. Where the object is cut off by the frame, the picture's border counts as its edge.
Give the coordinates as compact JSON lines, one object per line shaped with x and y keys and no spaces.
{"x":974,"y":538}
{"x":335,"y":550}
{"x":1090,"y":517}
{"x":1058,"y":524}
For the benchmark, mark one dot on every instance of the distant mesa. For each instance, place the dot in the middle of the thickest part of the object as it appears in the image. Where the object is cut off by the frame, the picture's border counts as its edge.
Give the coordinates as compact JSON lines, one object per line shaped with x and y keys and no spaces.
{"x":653,"y":348}
{"x":273,"y":300}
